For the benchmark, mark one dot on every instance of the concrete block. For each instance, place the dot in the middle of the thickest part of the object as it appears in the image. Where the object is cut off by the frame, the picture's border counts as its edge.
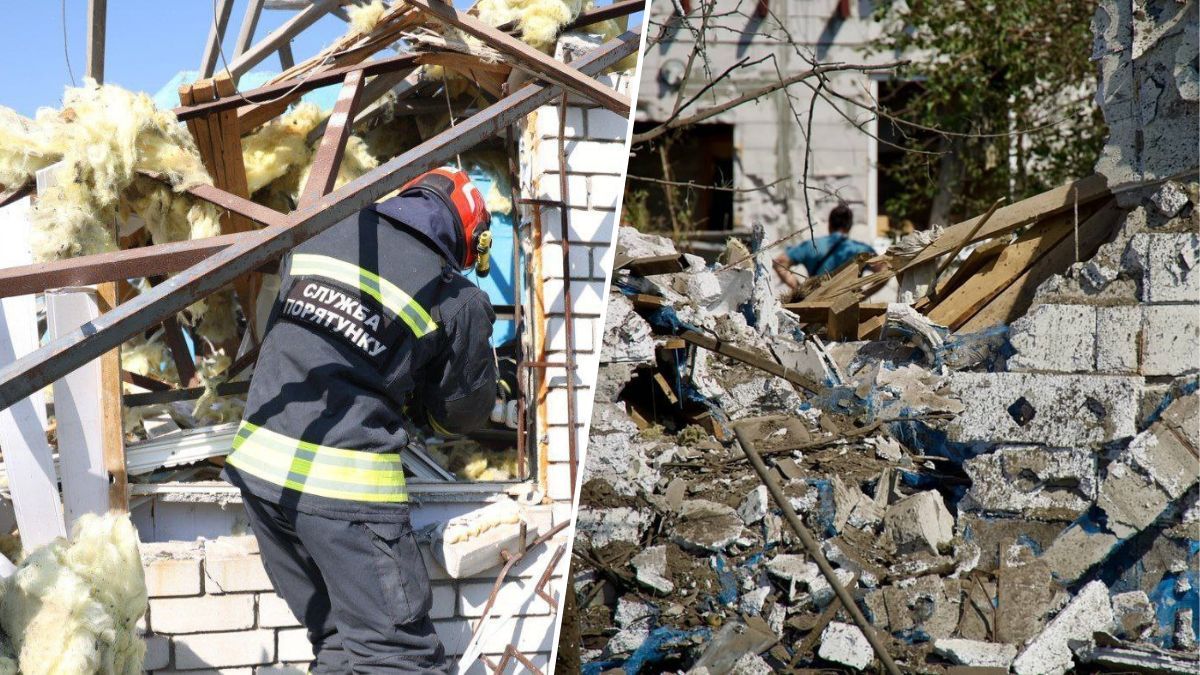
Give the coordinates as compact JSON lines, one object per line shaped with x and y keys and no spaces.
{"x":605,"y":125}
{"x":1160,"y":454}
{"x":1036,"y":482}
{"x":754,"y":507}
{"x":1169,"y":338}
{"x":158,"y":652}
{"x":651,"y":568}
{"x":581,"y":262}
{"x":845,"y":644}
{"x":976,"y":653}
{"x":919,"y":522}
{"x":558,"y":481}
{"x":218,"y":650}
{"x":584,"y":332}
{"x":1130,"y":500}
{"x":585,"y":157}
{"x":606,"y":190}
{"x":596,"y":226}
{"x":1079,"y":548}
{"x":601,"y":527}
{"x":200,"y":614}
{"x":1117,"y":332}
{"x":283,"y":669}
{"x":515,"y":596}
{"x":1053,"y":410}
{"x":548,"y":123}
{"x":1167,"y":262}
{"x":1182,"y":417}
{"x":294,"y":645}
{"x":471,"y":543}
{"x":1050,"y":653}
{"x":168,"y":577}
{"x":1056,"y":338}
{"x":235,"y":574}
{"x":706,"y":526}
{"x":273,"y":612}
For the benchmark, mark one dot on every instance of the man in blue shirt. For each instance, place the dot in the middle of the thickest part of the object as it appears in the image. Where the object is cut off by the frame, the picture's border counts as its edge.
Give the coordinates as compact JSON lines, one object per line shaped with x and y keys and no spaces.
{"x":823,"y":254}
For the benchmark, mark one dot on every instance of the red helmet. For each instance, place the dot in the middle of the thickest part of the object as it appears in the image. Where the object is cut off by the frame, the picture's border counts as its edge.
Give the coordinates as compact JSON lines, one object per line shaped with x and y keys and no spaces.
{"x":456,"y":190}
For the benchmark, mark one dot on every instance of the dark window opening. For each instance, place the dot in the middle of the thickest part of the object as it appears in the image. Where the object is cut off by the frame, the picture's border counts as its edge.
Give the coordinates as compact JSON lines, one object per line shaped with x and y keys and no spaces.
{"x":904,"y":210}
{"x":661,"y":200}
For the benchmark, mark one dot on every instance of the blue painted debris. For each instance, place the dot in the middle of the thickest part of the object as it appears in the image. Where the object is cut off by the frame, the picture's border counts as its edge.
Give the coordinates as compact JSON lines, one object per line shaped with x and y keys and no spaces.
{"x":660,"y":645}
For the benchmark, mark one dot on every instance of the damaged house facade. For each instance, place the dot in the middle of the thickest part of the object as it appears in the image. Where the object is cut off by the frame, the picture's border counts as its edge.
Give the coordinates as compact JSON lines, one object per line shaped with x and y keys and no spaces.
{"x":1002,"y":474}
{"x":547,"y":141}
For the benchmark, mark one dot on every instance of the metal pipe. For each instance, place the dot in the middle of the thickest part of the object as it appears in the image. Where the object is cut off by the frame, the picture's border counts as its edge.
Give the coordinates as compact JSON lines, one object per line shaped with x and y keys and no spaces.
{"x":814,"y":549}
{"x":568,"y":316}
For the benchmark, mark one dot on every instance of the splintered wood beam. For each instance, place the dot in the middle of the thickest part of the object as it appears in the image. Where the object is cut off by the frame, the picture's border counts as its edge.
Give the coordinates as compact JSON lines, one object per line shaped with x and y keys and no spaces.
{"x":31,"y":372}
{"x":249,"y":25}
{"x":280,"y":36}
{"x":112,"y":423}
{"x":97,"y":28}
{"x":527,"y":58}
{"x":752,"y":358}
{"x":216,"y":35}
{"x":1014,"y":216}
{"x":337,"y":131}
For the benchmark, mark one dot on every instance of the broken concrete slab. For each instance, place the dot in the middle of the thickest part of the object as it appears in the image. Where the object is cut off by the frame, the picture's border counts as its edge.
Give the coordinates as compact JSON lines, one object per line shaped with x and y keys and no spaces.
{"x":1050,"y":653}
{"x":651,"y":568}
{"x":1130,"y":500}
{"x":601,"y":527}
{"x":918,"y":522}
{"x":1033,"y":481}
{"x":1133,"y":614}
{"x":976,"y":653}
{"x":754,"y":507}
{"x":706,"y":526}
{"x":1052,"y":410}
{"x":845,"y":644}
{"x":627,"y":336}
{"x":1054,"y":338}
{"x":734,"y":640}
{"x":924,"y":608}
{"x":1026,"y":596}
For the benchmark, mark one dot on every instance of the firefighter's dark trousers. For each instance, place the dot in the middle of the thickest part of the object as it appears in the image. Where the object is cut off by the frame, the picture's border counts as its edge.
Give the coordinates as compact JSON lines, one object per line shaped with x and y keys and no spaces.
{"x":361,"y":589}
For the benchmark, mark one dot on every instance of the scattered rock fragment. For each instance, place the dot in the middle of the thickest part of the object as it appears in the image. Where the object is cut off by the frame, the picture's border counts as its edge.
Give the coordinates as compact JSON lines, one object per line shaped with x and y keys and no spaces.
{"x":1051,"y":652}
{"x":754,"y":506}
{"x":1133,"y":613}
{"x":705,"y":525}
{"x":919,"y":522}
{"x":975,"y":652}
{"x":651,"y":568}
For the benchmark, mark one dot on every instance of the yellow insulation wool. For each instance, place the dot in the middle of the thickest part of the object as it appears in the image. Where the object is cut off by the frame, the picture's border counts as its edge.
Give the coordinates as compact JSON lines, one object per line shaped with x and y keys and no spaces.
{"x":363,"y":18}
{"x":356,"y":161}
{"x":538,"y":20}
{"x":279,"y":146}
{"x":103,"y":136}
{"x":74,"y":607}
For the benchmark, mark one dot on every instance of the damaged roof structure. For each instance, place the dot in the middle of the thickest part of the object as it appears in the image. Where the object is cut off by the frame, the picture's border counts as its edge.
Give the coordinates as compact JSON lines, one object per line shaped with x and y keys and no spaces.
{"x":999,"y":475}
{"x":137,"y":281}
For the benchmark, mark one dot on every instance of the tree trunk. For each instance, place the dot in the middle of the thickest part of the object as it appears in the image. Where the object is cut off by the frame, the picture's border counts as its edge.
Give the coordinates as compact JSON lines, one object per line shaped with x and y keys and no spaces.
{"x":950,"y":171}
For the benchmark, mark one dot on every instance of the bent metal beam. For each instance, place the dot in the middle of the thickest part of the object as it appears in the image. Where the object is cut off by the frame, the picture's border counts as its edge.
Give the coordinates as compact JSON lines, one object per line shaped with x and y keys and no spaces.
{"x":54,"y":360}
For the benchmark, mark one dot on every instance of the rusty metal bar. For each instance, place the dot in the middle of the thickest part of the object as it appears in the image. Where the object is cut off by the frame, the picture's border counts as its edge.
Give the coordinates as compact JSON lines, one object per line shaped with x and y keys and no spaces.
{"x":297,"y":86}
{"x":56,"y":359}
{"x":191,"y":393}
{"x":568,"y":304}
{"x":184,"y":365}
{"x":145,"y":261}
{"x":337,"y":131}
{"x":143,"y":381}
{"x":249,"y":25}
{"x":282,"y":35}
{"x":242,"y":206}
{"x":518,"y":304}
{"x":527,"y":58}
{"x":610,"y":11}
{"x":814,"y":549}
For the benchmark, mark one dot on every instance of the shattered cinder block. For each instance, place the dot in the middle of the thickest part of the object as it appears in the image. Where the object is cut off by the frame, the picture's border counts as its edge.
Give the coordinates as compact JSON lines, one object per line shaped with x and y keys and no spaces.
{"x":1051,"y":652}
{"x":918,"y":522}
{"x":651,"y":568}
{"x":976,"y":653}
{"x":1133,"y":614}
{"x":1079,"y":548}
{"x":1052,"y":410}
{"x":1167,"y":263}
{"x":1025,"y":596}
{"x":1117,"y":337}
{"x":601,"y":527}
{"x":845,"y":644}
{"x":627,"y":336}
{"x":1055,"y":338}
{"x":1036,"y":482}
{"x":1130,"y":500}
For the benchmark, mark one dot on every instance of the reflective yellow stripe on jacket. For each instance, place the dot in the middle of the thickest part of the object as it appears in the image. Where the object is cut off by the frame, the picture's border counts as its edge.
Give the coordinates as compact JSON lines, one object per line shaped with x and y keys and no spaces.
{"x":388,"y":294}
{"x":316,"y":469}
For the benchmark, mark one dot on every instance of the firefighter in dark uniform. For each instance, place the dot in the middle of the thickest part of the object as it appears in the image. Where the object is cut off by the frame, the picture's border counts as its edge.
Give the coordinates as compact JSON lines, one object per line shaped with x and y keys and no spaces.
{"x":373,"y":322}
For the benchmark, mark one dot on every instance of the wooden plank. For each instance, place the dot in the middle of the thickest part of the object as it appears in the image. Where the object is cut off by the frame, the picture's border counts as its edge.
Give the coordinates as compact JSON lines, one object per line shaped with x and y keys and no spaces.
{"x":78,"y":403}
{"x":1015,"y":300}
{"x":842,"y":323}
{"x":840,"y":280}
{"x":752,"y":358}
{"x":111,"y":423}
{"x":983,"y":255}
{"x":955,"y":308}
{"x":97,"y":33}
{"x":647,"y":301}
{"x":649,"y":266}
{"x":817,"y":311}
{"x":1016,"y":215}
{"x":337,"y":131}
{"x":216,"y":35}
{"x":249,"y":25}
{"x":33,"y":481}
{"x":665,"y":388}
{"x":527,"y":58}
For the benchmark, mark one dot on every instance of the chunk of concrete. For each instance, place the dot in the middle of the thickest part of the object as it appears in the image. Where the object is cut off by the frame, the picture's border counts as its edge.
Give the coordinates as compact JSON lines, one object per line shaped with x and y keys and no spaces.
{"x":1167,"y":262}
{"x":651,"y":568}
{"x":627,"y":336}
{"x":601,"y":527}
{"x":845,"y":644}
{"x":1170,"y":198}
{"x":1079,"y":548}
{"x":1130,"y":500}
{"x":927,"y":605}
{"x":751,"y":664}
{"x":919,"y":522}
{"x":1169,"y":337}
{"x":706,"y":526}
{"x":1133,"y":613}
{"x":1051,"y":652}
{"x":1055,"y":338}
{"x":1036,"y":482}
{"x":975,"y":652}
{"x":734,"y":640}
{"x":1067,"y":411}
{"x":754,"y":507}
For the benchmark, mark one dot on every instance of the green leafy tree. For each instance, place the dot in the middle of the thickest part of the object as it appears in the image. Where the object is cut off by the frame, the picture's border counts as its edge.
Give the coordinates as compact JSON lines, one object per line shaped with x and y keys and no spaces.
{"x":1010,"y":85}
